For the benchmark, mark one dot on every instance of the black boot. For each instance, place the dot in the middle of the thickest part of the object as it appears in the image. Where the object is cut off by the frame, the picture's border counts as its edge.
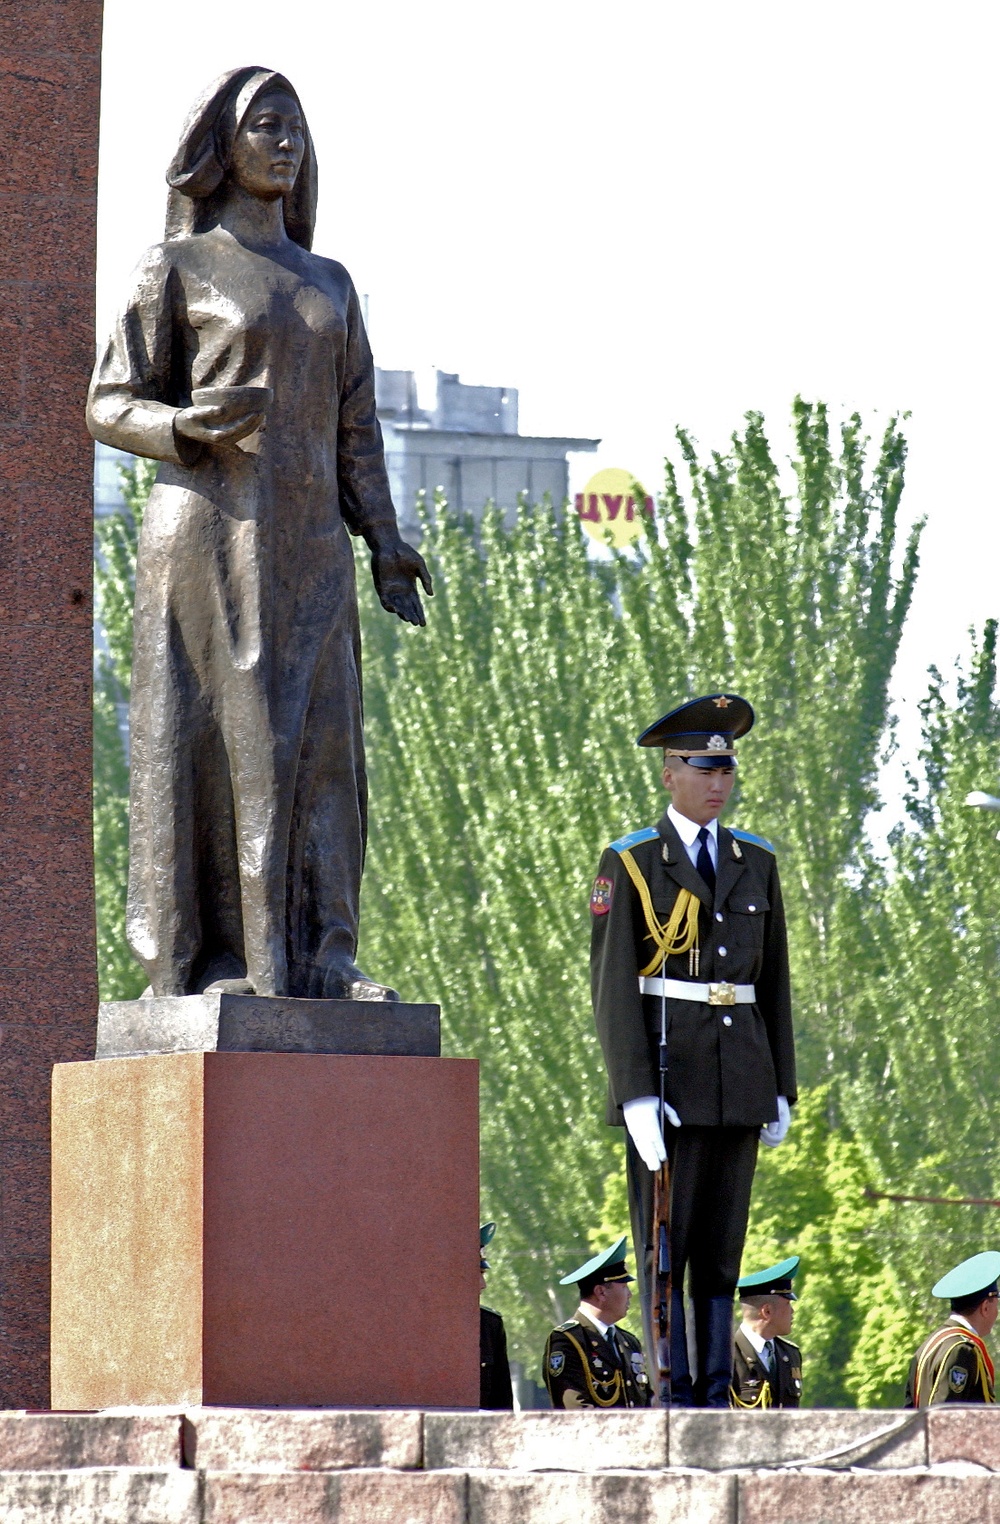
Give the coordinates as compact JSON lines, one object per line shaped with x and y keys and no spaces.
{"x":681,"y":1388}
{"x":713,"y":1326}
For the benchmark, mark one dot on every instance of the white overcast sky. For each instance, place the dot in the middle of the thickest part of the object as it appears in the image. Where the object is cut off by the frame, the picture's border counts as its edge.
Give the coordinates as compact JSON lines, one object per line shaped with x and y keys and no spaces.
{"x":641,"y":214}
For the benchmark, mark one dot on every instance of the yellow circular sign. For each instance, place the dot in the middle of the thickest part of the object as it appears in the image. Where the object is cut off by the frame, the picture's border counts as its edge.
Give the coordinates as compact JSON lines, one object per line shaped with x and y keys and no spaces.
{"x":609,"y":510}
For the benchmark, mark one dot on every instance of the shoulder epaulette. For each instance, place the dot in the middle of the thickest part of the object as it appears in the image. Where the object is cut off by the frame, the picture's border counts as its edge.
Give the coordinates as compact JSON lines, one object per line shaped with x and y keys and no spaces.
{"x":755,"y":841}
{"x":564,"y":1327}
{"x":780,"y":1339}
{"x":625,"y":843}
{"x":483,"y":1308}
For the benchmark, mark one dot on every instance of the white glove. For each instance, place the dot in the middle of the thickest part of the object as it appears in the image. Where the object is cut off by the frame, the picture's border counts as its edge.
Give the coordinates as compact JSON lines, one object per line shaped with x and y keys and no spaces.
{"x":642,"y":1118}
{"x":773,"y":1132}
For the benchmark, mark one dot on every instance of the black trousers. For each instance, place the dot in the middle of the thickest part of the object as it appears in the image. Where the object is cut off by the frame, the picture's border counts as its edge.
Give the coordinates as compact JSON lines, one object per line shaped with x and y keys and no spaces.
{"x":711,"y":1177}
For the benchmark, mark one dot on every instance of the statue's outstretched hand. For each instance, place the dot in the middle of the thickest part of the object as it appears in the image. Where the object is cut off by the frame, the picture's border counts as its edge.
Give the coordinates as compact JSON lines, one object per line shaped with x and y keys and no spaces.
{"x":396,"y":567}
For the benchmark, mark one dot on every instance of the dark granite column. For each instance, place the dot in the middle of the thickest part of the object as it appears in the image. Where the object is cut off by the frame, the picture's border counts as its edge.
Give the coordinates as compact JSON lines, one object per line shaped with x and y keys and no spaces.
{"x":50,"y":56}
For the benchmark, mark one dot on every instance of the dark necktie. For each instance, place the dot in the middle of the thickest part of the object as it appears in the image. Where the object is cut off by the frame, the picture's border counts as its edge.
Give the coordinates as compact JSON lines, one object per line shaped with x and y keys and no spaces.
{"x":615,"y":1352}
{"x":769,"y":1356}
{"x":704,"y":862}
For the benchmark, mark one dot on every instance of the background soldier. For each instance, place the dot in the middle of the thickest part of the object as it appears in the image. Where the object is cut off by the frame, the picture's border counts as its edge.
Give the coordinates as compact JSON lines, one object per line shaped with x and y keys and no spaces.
{"x":767,"y":1366}
{"x":589,"y":1363}
{"x":677,"y":910}
{"x":494,"y":1370}
{"x":954,"y":1365}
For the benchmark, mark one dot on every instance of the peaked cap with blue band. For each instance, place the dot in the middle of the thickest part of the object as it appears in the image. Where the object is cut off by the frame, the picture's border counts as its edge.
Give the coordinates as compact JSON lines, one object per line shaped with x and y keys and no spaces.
{"x":973,"y":1277}
{"x":777,"y":1278}
{"x":705,"y":729}
{"x":609,"y":1265}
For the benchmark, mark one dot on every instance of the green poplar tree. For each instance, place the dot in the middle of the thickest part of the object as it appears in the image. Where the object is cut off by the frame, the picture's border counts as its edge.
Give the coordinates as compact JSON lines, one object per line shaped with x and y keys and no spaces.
{"x":116,"y":537}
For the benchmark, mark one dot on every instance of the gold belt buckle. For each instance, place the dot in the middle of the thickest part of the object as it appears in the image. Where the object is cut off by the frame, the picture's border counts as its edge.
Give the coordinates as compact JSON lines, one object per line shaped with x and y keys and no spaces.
{"x":722,"y":994}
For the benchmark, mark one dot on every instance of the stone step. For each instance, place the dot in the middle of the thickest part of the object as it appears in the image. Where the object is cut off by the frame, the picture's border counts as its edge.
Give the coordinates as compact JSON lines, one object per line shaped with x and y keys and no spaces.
{"x":134,"y":1495}
{"x":339,"y":1466}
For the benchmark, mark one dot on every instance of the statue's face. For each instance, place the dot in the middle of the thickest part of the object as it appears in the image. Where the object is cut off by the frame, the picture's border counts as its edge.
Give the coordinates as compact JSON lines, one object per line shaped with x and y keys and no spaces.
{"x":267,"y":153}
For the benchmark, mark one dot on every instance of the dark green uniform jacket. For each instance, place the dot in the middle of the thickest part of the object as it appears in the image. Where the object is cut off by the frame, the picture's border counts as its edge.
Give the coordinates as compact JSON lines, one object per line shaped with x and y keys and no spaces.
{"x":953,"y":1365}
{"x":727,"y":1064}
{"x":584,"y":1370}
{"x":755,"y":1387}
{"x":494,"y":1370}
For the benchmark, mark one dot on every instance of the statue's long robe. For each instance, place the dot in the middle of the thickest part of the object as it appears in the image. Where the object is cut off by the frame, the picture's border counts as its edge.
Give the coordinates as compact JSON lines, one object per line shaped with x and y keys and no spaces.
{"x":248,"y":798}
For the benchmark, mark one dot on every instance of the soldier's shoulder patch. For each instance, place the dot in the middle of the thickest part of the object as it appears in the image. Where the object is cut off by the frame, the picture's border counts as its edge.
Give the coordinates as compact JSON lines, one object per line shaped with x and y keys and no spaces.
{"x":565,"y":1327}
{"x":755,"y":841}
{"x":626,"y":843}
{"x":601,"y":895}
{"x":957,"y":1378}
{"x":557,"y":1360}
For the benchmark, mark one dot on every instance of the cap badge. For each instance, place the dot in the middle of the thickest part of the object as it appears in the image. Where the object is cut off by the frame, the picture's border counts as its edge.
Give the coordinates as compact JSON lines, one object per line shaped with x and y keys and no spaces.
{"x":722,"y":702}
{"x":716,"y":743}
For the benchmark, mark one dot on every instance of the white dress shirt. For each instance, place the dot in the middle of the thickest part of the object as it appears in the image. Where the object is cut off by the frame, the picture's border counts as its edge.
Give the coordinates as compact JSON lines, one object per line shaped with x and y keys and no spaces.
{"x":754,"y":1339}
{"x":688,"y":830}
{"x":591,"y":1316}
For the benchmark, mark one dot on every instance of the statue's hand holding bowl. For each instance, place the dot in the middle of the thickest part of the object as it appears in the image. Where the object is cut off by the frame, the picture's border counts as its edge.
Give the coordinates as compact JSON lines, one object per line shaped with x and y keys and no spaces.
{"x":223,"y":414}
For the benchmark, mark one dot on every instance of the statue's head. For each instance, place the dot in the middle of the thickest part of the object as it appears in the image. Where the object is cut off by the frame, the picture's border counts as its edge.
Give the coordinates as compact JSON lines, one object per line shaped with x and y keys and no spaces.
{"x":248,"y":126}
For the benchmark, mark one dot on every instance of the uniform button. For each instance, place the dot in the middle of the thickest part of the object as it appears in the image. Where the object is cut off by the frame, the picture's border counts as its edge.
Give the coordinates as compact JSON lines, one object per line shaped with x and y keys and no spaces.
{"x":722,"y":952}
{"x":718,"y":915}
{"x":751,"y":908}
{"x":727,"y":1021}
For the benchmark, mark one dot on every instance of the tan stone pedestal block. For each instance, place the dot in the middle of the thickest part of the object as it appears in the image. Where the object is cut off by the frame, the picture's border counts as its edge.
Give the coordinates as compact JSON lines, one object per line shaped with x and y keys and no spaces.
{"x":265,"y":1229}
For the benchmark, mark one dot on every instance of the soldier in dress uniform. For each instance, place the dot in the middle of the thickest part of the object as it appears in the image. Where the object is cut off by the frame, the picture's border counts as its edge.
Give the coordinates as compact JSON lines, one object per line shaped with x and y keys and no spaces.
{"x":494,"y":1371}
{"x":688,"y":928}
{"x":767,"y":1366}
{"x":589,"y":1363}
{"x":954,"y":1365}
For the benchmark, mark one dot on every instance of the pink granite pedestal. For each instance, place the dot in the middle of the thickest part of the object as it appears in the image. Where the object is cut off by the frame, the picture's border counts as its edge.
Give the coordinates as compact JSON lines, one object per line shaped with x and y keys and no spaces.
{"x":265,"y":1229}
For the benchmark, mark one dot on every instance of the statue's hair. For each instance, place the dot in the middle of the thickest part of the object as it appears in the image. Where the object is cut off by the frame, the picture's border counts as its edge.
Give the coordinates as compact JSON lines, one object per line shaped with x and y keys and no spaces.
{"x":198,"y":169}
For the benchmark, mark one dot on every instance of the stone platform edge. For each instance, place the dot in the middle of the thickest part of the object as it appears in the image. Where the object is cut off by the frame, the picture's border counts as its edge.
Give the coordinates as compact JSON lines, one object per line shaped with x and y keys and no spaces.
{"x":311,"y":1466}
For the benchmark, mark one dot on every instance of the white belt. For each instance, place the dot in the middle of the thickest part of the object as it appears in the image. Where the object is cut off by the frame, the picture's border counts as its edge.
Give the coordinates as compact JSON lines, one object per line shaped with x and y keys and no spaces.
{"x":708,"y":994}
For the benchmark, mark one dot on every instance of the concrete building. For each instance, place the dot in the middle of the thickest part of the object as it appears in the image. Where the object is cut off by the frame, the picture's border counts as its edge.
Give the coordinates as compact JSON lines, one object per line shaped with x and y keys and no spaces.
{"x":463,"y":440}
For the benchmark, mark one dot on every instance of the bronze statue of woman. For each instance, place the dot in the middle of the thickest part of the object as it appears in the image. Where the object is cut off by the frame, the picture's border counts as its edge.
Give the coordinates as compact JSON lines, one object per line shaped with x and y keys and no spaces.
{"x":241,"y":363}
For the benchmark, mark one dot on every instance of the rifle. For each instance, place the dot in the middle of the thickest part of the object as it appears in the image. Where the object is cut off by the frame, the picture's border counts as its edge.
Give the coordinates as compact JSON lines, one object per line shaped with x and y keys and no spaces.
{"x":662,"y":1287}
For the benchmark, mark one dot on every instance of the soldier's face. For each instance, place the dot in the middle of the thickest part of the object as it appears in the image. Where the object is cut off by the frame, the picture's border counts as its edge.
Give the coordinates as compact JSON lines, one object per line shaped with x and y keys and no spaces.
{"x":615,"y":1300}
{"x":782,"y":1315}
{"x":699,"y":794}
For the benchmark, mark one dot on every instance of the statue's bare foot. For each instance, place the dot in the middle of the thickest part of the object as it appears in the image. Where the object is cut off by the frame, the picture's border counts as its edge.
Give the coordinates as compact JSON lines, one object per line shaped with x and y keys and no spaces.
{"x":225,"y":975}
{"x":345,"y":981}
